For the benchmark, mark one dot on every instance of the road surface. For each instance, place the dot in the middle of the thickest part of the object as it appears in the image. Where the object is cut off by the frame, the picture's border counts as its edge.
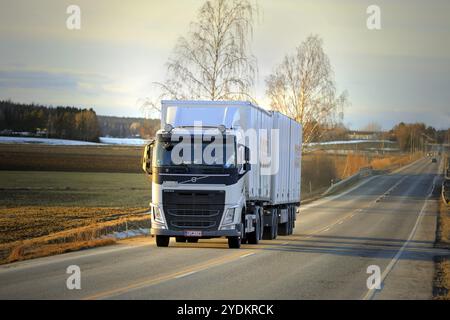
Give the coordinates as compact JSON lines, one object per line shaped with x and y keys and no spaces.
{"x":386,"y":221}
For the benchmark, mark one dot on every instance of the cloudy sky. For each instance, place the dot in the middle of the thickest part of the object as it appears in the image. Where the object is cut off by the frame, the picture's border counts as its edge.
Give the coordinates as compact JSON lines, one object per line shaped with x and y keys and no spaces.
{"x":398,"y":73}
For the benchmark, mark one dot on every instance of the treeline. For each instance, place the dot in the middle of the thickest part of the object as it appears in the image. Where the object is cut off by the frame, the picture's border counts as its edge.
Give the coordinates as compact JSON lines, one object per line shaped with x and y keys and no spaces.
{"x":414,"y":136}
{"x":52,"y":122}
{"x":70,"y":123}
{"x":121,"y":127}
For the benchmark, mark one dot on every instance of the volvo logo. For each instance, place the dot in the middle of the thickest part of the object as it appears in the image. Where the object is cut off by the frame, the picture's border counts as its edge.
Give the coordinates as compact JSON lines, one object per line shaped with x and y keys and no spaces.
{"x":194,"y":179}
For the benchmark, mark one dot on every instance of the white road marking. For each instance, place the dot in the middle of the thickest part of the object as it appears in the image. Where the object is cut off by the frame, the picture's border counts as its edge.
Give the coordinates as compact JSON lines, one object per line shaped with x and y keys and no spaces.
{"x":246,"y":255}
{"x":185,"y":274}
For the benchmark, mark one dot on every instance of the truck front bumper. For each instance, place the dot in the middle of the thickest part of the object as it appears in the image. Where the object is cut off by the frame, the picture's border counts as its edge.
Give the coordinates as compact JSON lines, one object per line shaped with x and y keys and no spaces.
{"x":205,"y":234}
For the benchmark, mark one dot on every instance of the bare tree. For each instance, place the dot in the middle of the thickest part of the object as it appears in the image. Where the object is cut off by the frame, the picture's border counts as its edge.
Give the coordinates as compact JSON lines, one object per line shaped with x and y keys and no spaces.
{"x":302,"y":87}
{"x":213,"y":61}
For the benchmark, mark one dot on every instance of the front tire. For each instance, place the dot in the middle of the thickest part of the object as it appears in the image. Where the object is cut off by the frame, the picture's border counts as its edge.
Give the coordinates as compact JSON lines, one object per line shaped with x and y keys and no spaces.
{"x":180,"y":239}
{"x":192,"y":240}
{"x":234,"y":242}
{"x":162,"y":241}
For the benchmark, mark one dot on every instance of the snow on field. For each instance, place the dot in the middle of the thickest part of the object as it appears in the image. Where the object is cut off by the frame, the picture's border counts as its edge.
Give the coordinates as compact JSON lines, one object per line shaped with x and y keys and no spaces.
{"x":63,"y":142}
{"x":346,"y":142}
{"x":123,"y":141}
{"x":139,"y":142}
{"x":32,"y":140}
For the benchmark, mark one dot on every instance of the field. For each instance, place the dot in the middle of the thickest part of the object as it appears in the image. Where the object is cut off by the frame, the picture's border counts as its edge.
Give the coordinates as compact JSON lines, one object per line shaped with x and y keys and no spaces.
{"x":78,"y":189}
{"x":70,"y":158}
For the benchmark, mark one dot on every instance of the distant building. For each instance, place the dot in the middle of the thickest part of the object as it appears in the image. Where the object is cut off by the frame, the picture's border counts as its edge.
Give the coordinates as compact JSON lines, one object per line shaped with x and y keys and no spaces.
{"x":363,"y":135}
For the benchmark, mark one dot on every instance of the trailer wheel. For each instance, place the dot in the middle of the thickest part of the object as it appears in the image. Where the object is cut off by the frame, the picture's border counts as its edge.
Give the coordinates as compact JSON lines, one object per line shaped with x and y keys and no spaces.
{"x":162,"y":241}
{"x":284,"y":228}
{"x":291,"y":225}
{"x":192,"y":240}
{"x":180,"y":239}
{"x":234,"y":242}
{"x":275,"y":225}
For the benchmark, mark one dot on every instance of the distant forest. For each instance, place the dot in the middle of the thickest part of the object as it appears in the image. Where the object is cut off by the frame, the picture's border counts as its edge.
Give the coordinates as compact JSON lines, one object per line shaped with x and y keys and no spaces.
{"x":69,"y":123}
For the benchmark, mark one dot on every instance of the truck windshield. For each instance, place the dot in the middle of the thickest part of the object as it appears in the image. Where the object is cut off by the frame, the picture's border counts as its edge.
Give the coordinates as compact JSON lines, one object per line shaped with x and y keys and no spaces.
{"x":195,"y":154}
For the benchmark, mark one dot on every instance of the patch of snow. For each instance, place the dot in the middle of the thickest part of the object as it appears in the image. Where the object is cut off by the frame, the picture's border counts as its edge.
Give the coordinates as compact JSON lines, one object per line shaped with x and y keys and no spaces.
{"x":346,"y":142}
{"x":124,"y":141}
{"x":47,"y":141}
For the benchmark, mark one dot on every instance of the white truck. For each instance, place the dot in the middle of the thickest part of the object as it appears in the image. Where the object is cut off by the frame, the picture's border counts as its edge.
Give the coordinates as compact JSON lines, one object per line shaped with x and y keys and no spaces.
{"x":223,"y":169}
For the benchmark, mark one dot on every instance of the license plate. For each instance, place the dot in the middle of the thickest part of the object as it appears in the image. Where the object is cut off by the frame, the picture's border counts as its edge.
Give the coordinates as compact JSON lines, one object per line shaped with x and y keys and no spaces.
{"x":192,"y":233}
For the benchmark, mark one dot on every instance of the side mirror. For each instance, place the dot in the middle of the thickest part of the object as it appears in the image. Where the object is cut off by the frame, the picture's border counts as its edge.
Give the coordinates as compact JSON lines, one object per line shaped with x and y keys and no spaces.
{"x":246,"y":167}
{"x":147,"y":158}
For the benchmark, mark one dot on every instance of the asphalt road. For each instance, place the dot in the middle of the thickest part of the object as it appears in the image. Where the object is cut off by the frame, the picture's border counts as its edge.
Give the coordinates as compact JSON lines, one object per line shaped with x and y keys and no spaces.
{"x":386,"y":221}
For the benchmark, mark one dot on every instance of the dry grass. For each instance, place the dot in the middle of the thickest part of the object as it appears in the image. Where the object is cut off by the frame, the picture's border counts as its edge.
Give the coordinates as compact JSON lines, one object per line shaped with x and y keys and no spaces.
{"x":354,"y":162}
{"x":443,"y":233}
{"x":20,"y":223}
{"x":442,"y":275}
{"x":69,"y":240}
{"x":442,"y":282}
{"x":20,"y":253}
{"x":320,"y":168}
{"x":393,"y":162}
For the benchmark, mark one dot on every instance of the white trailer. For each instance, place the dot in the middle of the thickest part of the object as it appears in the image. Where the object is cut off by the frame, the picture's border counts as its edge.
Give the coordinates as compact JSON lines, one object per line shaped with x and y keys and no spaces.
{"x":223,"y":168}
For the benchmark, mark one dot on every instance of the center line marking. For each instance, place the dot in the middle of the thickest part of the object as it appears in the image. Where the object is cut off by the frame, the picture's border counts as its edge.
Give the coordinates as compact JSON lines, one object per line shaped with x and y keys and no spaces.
{"x":185,"y":274}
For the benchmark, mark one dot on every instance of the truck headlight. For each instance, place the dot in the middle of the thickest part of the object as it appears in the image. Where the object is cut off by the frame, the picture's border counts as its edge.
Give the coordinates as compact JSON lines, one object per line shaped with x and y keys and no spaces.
{"x":157,"y":214}
{"x":229,"y":216}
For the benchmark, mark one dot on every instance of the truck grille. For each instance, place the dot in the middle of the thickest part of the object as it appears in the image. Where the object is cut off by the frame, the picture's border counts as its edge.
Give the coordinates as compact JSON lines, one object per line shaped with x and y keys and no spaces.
{"x":200,"y":210}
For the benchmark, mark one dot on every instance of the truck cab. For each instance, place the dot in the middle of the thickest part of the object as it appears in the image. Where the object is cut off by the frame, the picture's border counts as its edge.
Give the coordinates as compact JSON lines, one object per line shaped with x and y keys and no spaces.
{"x":196,"y":197}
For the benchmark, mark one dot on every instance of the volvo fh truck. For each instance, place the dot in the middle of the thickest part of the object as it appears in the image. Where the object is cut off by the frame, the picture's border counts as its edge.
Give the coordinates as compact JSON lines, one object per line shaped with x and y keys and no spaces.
{"x":223,"y":169}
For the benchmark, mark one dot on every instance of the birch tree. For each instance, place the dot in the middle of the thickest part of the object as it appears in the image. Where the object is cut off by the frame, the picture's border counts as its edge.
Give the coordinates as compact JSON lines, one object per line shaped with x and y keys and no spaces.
{"x":213,"y":61}
{"x":303,"y":87}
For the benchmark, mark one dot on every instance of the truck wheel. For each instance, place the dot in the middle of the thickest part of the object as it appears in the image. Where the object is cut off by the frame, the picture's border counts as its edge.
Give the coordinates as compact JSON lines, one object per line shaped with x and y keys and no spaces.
{"x":270,"y":232}
{"x":290,"y":222}
{"x":192,"y":240}
{"x":283,"y":229}
{"x":275,"y":226}
{"x":180,"y":239}
{"x":234,"y":242}
{"x":275,"y":231}
{"x":253,"y":237}
{"x":162,"y":241}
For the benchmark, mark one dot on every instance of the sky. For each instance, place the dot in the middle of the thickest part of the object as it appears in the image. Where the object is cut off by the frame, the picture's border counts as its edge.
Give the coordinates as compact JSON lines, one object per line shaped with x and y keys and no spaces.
{"x":398,"y":73}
